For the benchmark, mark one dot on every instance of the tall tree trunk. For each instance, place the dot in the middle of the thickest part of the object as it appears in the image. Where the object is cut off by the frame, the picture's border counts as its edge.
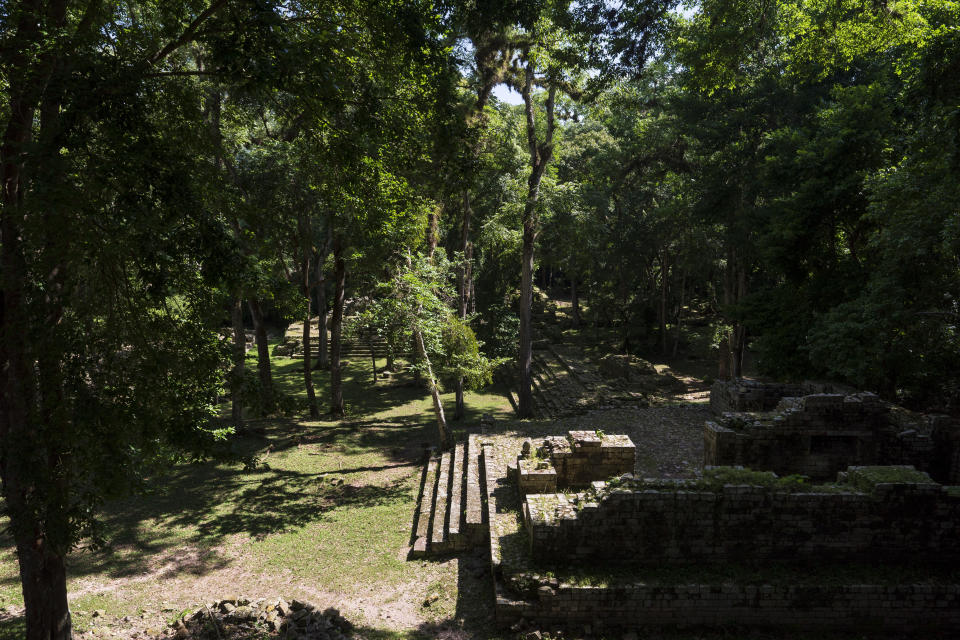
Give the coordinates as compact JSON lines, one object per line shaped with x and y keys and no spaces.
{"x":336,"y":329}
{"x":42,"y":574}
{"x":463,"y":287}
{"x":323,"y":335}
{"x":307,"y":348}
{"x":683,"y":285}
{"x":540,"y":155}
{"x":442,"y":430}
{"x":734,"y":290}
{"x":373,"y":358}
{"x":739,"y":330}
{"x":268,"y":400}
{"x":574,"y":302}
{"x":525,"y":394}
{"x":664,"y":280}
{"x":43,"y":577}
{"x":239,"y":363}
{"x":323,"y":362}
{"x":723,"y":360}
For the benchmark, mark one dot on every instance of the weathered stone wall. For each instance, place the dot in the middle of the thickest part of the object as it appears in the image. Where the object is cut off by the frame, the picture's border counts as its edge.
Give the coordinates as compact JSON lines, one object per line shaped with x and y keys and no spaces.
{"x":815,"y":435}
{"x":632,"y":524}
{"x":535,"y":477}
{"x":748,"y":395}
{"x":818,"y":435}
{"x":742,"y":394}
{"x":863,"y":607}
{"x":584,"y":456}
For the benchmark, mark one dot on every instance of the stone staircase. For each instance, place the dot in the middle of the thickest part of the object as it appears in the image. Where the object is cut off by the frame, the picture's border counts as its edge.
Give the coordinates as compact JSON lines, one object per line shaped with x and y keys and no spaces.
{"x":450,"y":513}
{"x":565,"y":383}
{"x":356,"y":349}
{"x":558,"y":389}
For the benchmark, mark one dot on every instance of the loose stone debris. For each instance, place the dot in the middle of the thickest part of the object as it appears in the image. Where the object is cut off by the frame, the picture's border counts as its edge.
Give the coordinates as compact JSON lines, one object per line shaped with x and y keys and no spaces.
{"x":242,"y":618}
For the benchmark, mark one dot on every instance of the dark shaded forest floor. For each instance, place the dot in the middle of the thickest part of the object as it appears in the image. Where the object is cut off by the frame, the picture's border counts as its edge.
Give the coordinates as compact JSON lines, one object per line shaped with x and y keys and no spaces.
{"x":325,"y":515}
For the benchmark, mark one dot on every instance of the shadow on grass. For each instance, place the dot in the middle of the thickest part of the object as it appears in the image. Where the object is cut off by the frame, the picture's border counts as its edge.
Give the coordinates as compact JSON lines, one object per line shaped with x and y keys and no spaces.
{"x":178,"y":527}
{"x":473,"y":617}
{"x":361,"y":395}
{"x":206,"y":503}
{"x":13,"y":627}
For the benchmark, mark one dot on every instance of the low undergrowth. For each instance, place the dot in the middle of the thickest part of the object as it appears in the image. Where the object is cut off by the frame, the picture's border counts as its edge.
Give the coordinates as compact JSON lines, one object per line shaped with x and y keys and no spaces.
{"x":321,"y":511}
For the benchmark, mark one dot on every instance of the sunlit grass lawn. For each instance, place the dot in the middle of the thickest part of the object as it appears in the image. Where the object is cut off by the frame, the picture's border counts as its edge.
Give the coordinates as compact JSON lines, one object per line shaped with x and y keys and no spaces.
{"x":325,"y":513}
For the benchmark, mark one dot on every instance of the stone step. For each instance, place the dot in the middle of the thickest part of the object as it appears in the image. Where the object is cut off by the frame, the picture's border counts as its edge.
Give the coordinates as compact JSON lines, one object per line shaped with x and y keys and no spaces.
{"x":542,"y":405}
{"x":425,"y":507}
{"x":539,"y":363}
{"x":473,"y":502}
{"x":438,"y":539}
{"x":450,"y":514}
{"x":457,"y":486}
{"x":548,"y":393}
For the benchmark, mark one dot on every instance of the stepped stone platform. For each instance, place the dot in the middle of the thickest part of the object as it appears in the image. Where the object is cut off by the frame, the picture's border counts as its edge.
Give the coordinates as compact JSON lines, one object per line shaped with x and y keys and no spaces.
{"x":449,"y":516}
{"x":878,"y":550}
{"x":616,"y":594}
{"x":564,"y":384}
{"x":818,"y":434}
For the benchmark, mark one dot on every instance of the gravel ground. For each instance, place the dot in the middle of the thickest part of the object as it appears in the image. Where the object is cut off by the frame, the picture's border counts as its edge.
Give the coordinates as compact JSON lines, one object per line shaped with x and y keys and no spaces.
{"x":669,"y":442}
{"x":669,"y":439}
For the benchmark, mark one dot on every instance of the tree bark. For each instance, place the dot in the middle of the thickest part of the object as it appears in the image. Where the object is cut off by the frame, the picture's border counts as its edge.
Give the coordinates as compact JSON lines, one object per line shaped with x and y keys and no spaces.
{"x":664,"y":279}
{"x":42,"y":574}
{"x":336,"y":329}
{"x":734,"y":290}
{"x":323,"y":336}
{"x":739,"y":330}
{"x":267,"y":398}
{"x":307,"y":369}
{"x":683,"y":285}
{"x":574,"y":302}
{"x":239,"y":363}
{"x":442,"y":430}
{"x":44,"y":580}
{"x":540,"y":155}
{"x":525,"y":393}
{"x":463,"y":286}
{"x":320,"y":285}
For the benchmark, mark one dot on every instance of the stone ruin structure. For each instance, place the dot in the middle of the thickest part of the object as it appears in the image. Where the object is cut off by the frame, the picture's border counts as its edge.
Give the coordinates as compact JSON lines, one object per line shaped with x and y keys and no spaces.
{"x":572,"y":461}
{"x":623,"y":531}
{"x":820,"y":430}
{"x":876,"y":514}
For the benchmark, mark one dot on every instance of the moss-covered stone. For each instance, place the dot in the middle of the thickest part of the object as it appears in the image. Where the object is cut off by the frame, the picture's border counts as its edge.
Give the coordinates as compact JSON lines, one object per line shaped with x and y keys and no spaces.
{"x":867,"y":478}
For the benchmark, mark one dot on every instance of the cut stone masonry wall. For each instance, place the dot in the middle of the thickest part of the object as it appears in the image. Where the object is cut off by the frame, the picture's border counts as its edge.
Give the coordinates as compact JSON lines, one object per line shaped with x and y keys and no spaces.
{"x":915,"y":519}
{"x":573,"y":461}
{"x":741,"y":394}
{"x":819,"y":434}
{"x":861,"y":607}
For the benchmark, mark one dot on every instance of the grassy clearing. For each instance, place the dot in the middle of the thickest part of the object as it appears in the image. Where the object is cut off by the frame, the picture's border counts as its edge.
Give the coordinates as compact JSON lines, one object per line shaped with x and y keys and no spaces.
{"x":325,"y":516}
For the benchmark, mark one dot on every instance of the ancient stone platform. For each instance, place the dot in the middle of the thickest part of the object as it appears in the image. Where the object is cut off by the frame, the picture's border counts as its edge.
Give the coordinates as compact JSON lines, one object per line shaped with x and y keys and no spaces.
{"x":449,"y":515}
{"x":820,"y":434}
{"x":608,"y":589}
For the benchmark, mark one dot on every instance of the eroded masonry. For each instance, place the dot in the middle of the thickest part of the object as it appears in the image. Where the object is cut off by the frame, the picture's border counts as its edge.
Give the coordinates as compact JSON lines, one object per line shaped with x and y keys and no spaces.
{"x":819,"y":430}
{"x":830,"y":519}
{"x":817,"y":507}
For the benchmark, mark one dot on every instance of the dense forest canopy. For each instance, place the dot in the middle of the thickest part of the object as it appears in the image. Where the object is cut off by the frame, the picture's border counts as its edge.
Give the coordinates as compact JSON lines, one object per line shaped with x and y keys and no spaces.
{"x":786,"y":172}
